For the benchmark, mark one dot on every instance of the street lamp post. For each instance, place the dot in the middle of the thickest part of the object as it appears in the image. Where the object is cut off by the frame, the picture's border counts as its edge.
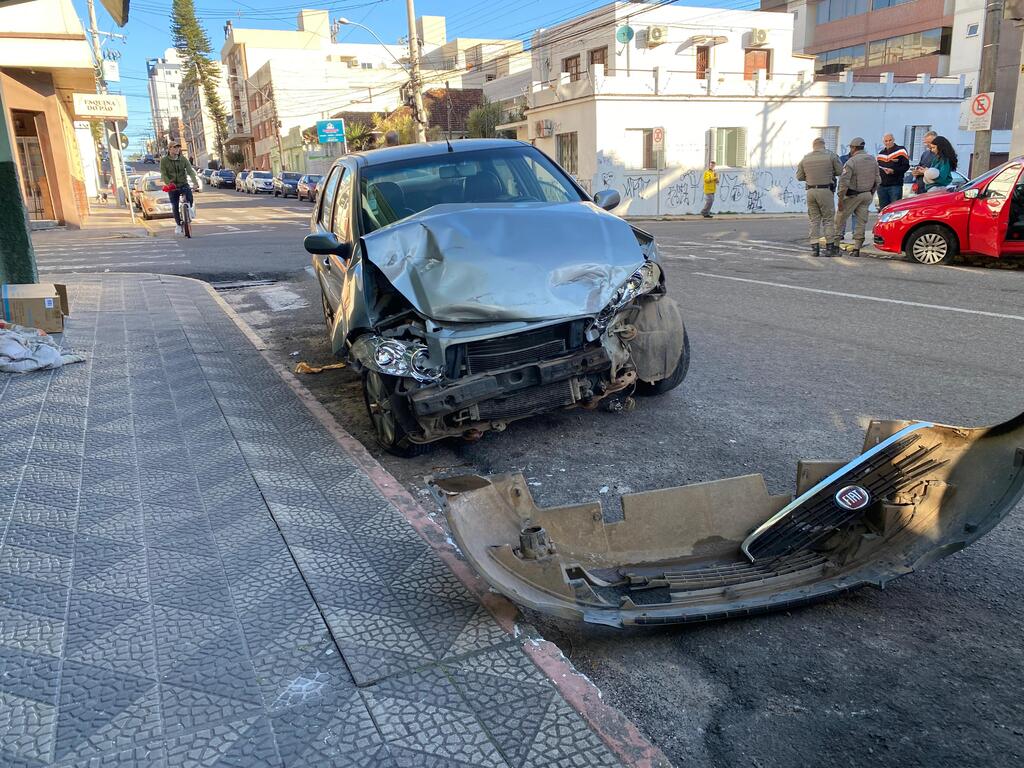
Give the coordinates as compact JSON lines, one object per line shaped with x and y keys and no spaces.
{"x":413,"y":69}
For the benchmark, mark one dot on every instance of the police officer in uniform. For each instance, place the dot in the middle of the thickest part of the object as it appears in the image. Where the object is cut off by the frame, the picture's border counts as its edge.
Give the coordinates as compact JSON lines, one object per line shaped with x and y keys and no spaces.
{"x":819,"y":169}
{"x":857,"y":184}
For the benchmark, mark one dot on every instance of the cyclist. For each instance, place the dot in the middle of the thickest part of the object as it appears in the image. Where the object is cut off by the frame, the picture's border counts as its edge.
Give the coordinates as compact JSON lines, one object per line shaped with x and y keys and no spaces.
{"x":175,"y":170}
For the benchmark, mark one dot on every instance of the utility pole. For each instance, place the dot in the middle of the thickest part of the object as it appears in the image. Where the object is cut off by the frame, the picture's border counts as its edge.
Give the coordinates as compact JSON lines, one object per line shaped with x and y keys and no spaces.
{"x":1015,"y":12}
{"x":987,"y":80}
{"x":17,"y":259}
{"x":414,"y":70}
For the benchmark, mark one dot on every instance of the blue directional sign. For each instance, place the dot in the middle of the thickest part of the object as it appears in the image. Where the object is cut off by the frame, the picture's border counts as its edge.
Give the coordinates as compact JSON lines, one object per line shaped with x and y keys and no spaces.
{"x":330,"y":131}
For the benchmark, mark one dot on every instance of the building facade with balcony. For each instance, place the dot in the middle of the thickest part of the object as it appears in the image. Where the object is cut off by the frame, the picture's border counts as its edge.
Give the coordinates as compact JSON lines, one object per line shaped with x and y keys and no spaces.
{"x":199,"y":129}
{"x":700,"y":84}
{"x":165,"y":97}
{"x":44,"y":59}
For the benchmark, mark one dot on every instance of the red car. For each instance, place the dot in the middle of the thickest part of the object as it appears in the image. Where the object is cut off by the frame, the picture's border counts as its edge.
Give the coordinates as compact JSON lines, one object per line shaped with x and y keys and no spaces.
{"x":985,"y":216}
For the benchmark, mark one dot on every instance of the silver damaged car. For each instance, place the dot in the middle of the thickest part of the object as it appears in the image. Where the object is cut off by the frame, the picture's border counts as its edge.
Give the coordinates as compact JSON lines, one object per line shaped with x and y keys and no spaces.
{"x":475,"y":283}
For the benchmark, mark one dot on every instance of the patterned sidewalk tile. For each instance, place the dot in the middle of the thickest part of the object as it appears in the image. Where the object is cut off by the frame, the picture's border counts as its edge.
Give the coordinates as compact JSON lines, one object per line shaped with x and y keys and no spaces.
{"x":193,"y":573}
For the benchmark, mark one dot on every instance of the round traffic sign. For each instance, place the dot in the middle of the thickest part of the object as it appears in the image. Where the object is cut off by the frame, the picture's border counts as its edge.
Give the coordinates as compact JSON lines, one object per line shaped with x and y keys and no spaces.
{"x":659,"y":135}
{"x":982,"y":103}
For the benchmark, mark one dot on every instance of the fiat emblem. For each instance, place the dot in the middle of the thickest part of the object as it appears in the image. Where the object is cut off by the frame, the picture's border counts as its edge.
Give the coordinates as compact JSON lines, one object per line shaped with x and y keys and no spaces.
{"x":852,"y":498}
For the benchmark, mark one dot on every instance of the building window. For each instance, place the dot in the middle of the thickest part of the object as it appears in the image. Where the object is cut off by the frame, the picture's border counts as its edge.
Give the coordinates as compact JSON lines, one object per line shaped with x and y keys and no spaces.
{"x":703,"y":61}
{"x":914,"y":138}
{"x":572,"y":66}
{"x":834,"y":10}
{"x":912,"y":46}
{"x":839,"y":60}
{"x":366,"y":65}
{"x":972,"y":30}
{"x":568,"y":151}
{"x":598,"y":56}
{"x":755,"y":59}
{"x":731,"y":147}
{"x":877,"y":5}
{"x":830,"y":135}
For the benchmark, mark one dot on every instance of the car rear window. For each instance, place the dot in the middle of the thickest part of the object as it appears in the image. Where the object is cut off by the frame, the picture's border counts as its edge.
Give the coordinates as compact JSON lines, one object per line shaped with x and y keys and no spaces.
{"x":262,"y":175}
{"x":290,"y":176}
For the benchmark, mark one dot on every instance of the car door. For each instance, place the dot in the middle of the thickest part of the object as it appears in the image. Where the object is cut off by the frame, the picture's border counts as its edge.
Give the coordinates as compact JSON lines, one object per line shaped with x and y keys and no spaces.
{"x":342,"y":227}
{"x":990,"y":213}
{"x":329,"y":268}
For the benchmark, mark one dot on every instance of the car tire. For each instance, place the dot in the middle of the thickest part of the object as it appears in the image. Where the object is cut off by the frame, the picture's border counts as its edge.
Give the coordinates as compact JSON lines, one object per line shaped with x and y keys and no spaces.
{"x":647,"y":389}
{"x":380,"y":407}
{"x":275,"y":194}
{"x":932,"y":245}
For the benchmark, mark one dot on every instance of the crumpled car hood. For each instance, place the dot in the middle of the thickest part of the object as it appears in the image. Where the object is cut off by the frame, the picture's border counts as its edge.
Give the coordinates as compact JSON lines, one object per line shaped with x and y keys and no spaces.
{"x":498,"y":261}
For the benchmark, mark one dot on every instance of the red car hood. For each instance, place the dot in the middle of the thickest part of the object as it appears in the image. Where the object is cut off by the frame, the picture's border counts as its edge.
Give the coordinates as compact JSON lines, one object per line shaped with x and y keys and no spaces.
{"x":919,"y":201}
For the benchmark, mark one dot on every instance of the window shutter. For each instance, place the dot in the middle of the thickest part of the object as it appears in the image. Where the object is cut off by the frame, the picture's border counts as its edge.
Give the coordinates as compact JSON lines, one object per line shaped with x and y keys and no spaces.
{"x":740,"y":161}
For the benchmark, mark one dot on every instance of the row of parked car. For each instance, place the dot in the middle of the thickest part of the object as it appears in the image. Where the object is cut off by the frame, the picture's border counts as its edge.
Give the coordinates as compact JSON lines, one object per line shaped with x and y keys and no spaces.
{"x":302,"y":186}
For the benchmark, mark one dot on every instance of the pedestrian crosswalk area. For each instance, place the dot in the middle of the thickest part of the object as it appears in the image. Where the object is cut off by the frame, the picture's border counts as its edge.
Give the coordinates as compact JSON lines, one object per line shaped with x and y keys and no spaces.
{"x":114,"y":254}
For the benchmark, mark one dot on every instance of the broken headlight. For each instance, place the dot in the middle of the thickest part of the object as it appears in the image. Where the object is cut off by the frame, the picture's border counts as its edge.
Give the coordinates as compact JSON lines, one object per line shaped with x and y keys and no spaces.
{"x":644,"y":280}
{"x":396,"y":357}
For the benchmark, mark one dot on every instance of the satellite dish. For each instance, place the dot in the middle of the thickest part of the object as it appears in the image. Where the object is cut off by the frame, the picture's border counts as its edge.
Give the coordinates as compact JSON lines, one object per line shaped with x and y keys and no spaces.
{"x":624,"y":33}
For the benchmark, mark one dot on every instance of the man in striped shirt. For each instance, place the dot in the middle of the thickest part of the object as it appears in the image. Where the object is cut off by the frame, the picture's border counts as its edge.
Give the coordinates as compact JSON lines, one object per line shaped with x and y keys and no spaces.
{"x":893,"y":163}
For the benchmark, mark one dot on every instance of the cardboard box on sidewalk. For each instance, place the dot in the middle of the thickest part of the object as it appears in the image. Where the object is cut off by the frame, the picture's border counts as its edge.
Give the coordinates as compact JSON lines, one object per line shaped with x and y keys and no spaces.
{"x":35,"y":305}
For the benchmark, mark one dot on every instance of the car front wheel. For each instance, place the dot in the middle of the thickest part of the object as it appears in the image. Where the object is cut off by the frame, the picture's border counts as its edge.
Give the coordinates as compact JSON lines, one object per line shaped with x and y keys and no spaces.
{"x":380,"y":405}
{"x":674,"y":379}
{"x":931,"y":245}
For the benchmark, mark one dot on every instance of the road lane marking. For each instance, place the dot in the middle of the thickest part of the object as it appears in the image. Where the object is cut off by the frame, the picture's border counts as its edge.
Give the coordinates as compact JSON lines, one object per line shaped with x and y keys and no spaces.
{"x":235,"y":232}
{"x":861,"y":297}
{"x":687,"y":257}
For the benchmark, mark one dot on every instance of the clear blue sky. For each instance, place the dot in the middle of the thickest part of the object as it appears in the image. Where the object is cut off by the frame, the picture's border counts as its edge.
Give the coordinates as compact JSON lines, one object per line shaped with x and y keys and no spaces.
{"x":148,"y":29}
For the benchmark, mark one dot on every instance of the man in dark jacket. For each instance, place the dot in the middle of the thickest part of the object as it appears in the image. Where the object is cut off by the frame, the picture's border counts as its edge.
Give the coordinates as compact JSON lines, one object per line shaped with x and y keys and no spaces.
{"x":893,"y":163}
{"x":175,"y":170}
{"x":926,"y":161}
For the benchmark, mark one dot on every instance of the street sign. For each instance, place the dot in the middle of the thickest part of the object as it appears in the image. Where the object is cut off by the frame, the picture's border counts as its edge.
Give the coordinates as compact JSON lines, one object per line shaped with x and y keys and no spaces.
{"x":111,"y":71}
{"x":658,"y":137}
{"x":979,"y":112}
{"x":330,"y":131}
{"x":99,"y":106}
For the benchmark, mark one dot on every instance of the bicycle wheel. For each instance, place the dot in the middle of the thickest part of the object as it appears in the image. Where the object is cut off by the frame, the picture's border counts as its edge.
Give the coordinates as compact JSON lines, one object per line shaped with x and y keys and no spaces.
{"x":186,"y":217}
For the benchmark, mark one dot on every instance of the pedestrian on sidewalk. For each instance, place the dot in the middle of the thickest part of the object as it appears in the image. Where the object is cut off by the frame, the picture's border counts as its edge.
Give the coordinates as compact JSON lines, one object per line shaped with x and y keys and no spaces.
{"x":857,"y":185}
{"x":926,"y":161}
{"x":893,"y":164}
{"x":819,"y":169}
{"x":175,"y":170}
{"x":710,"y":188}
{"x":842,"y":236}
{"x":945,"y":164}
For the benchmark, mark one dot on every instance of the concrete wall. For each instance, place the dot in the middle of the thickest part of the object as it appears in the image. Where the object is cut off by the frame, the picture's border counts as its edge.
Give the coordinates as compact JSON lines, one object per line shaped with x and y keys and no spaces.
{"x":779,"y":133}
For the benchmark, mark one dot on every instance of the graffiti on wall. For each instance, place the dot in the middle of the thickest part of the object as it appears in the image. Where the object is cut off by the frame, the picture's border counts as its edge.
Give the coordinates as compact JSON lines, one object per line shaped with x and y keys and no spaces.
{"x":680,"y":191}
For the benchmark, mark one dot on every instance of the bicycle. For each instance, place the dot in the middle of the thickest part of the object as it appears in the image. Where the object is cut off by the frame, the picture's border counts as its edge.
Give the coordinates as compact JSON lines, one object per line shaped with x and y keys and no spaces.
{"x":185,"y":211}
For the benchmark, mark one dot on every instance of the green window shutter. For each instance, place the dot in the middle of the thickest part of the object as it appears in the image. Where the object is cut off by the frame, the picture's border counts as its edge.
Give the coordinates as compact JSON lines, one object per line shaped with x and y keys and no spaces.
{"x":740,"y":160}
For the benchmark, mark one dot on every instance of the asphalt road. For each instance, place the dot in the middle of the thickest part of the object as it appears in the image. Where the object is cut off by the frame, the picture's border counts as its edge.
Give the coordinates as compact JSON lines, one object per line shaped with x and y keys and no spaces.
{"x":791,"y":357}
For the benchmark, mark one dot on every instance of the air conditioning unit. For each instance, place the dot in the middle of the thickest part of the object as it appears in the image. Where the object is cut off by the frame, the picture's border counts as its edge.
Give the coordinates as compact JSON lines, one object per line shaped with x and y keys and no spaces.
{"x":758,"y":36}
{"x":656,"y":36}
{"x":545,"y":128}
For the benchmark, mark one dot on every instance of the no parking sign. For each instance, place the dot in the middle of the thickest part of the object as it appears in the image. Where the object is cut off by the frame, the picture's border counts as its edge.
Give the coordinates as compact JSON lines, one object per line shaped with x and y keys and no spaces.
{"x":979,"y":112}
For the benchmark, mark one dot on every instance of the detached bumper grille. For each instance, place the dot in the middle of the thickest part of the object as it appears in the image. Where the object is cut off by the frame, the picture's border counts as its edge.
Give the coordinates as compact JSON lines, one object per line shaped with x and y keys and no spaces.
{"x":528,"y":401}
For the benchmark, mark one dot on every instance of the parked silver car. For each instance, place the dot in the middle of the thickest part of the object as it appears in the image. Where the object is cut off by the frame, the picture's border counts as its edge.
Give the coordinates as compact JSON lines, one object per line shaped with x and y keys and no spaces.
{"x":479,"y":284}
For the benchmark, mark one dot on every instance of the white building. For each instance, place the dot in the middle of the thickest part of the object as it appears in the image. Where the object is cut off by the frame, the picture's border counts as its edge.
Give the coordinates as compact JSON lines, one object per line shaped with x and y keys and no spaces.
{"x":164,"y":96}
{"x":200,"y":132}
{"x":711,"y":85}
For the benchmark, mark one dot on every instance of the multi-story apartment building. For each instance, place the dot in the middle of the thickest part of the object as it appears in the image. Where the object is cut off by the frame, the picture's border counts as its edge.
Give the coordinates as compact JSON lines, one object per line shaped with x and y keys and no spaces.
{"x":44,"y":59}
{"x":165,"y":97}
{"x":200,"y":134}
{"x":907,"y":38}
{"x":692,"y":85}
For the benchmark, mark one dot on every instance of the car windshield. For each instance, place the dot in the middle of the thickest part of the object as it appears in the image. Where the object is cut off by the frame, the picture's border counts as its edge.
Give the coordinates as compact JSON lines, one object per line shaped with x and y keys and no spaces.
{"x":262,"y":175}
{"x":517,"y":174}
{"x":313,"y":179}
{"x":154,"y":185}
{"x":290,"y":176}
{"x":980,"y":181}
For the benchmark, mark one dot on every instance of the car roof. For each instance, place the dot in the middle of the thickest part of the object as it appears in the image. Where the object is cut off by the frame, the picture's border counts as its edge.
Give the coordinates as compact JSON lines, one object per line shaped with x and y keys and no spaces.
{"x":429,"y":149}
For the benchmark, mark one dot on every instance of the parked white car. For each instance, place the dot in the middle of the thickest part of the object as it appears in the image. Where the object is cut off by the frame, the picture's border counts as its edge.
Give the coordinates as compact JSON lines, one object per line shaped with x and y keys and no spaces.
{"x":260,"y":181}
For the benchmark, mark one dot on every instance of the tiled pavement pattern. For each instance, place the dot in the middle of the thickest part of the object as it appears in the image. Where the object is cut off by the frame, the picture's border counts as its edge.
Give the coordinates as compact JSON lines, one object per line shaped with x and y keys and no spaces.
{"x":185,"y":551}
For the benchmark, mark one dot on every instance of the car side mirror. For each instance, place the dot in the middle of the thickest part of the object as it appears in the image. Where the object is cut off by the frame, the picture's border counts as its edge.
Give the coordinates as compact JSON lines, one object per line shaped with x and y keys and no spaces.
{"x":326,"y":244}
{"x":971,"y":194}
{"x":607,"y":199}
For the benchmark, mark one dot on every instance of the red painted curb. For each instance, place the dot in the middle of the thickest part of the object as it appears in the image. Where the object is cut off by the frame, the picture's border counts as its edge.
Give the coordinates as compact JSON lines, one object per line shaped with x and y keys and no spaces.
{"x":614,"y":728}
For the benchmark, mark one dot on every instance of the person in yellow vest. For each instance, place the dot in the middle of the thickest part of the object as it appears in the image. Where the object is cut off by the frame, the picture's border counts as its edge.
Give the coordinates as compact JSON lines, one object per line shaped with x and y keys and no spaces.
{"x":710,"y":187}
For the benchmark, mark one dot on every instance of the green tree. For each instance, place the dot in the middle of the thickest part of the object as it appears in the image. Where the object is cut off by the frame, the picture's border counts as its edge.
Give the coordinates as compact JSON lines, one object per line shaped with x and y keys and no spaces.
{"x":193,"y":45}
{"x":400,"y":120}
{"x":358,"y":136}
{"x":483,"y":121}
